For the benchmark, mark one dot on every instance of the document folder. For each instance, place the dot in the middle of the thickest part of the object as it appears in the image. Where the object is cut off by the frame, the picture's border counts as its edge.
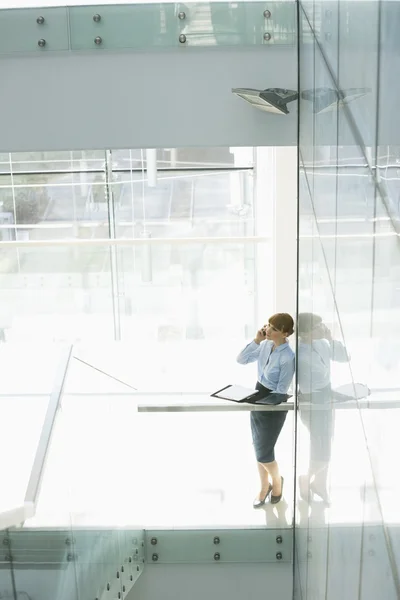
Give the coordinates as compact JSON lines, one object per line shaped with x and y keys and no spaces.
{"x":236,"y":393}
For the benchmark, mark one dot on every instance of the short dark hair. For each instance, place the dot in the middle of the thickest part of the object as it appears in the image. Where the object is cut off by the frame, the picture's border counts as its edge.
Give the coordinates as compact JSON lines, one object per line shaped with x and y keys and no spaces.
{"x":307,"y":321}
{"x":283,"y":322}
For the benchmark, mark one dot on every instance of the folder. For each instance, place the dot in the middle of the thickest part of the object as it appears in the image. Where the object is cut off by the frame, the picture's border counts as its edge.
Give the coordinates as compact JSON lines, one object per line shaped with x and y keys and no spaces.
{"x":236,"y":393}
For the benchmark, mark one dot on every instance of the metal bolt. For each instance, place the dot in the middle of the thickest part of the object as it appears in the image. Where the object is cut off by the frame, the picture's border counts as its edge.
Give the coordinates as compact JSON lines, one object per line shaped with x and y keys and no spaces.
{"x":70,"y":557}
{"x":216,"y":540}
{"x":68,"y":541}
{"x":328,"y":36}
{"x":182,"y":38}
{"x":6,"y":542}
{"x":108,"y":587}
{"x":142,"y":544}
{"x":98,"y":40}
{"x":371,"y":553}
{"x":279,"y":539}
{"x":117,"y":574}
{"x":154,"y":557}
{"x":309,"y":538}
{"x":130,"y":559}
{"x":136,"y":551}
{"x":40,"y":20}
{"x":119,"y":595}
{"x":41,"y":43}
{"x":122,"y":569}
{"x":182,"y":16}
{"x":134,"y":541}
{"x":267,"y":37}
{"x":8,"y":558}
{"x":96,"y":18}
{"x":123,"y":588}
{"x":131,"y":577}
{"x":328,"y":14}
{"x":137,"y":569}
{"x":309,"y":554}
{"x":153,"y":542}
{"x":217,"y":556}
{"x":267,"y":14}
{"x":279,"y":555}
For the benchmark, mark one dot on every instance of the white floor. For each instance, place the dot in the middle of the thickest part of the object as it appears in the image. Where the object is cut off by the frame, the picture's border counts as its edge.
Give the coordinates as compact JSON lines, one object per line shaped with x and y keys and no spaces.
{"x":111,"y":466}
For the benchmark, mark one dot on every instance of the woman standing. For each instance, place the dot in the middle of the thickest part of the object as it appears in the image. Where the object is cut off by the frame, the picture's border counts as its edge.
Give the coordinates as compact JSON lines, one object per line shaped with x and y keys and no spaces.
{"x":276,"y":366}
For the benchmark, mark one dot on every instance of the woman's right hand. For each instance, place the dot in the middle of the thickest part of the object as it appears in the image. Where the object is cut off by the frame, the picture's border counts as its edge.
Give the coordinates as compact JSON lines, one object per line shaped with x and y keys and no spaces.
{"x":260,"y":335}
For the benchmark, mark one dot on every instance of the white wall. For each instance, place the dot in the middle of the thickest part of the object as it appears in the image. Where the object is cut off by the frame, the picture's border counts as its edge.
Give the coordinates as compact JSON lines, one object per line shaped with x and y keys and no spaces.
{"x":214,"y":582}
{"x":179,"y":97}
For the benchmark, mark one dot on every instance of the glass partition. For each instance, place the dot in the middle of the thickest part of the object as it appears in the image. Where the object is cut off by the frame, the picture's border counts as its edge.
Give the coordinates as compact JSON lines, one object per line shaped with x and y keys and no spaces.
{"x":347,"y":281}
{"x":206,"y":456}
{"x":27,"y":383}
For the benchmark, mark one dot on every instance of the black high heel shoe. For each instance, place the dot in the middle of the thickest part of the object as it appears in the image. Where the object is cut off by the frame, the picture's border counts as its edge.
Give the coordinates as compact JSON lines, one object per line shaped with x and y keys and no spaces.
{"x":276,"y":499}
{"x":259,"y":503}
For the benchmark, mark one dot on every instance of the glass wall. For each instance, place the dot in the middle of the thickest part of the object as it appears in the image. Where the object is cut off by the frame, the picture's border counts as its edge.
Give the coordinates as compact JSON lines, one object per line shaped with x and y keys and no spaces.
{"x":348,"y":306}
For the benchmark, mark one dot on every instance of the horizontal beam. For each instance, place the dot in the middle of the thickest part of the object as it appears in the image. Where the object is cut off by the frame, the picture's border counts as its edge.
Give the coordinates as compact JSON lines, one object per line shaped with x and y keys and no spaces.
{"x":107,"y":242}
{"x":208,"y":406}
{"x":214,"y":407}
{"x":146,"y":26}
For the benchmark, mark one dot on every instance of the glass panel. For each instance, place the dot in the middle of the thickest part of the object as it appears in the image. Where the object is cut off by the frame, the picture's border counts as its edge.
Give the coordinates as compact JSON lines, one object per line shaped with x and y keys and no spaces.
{"x":245,"y":23}
{"x":66,"y":200}
{"x":130,"y":25}
{"x":27,"y":380}
{"x":325,"y":161}
{"x":134,"y":25}
{"x":135,"y":159}
{"x":388,"y":133}
{"x":6,"y":581}
{"x":54,"y":162}
{"x":44,"y":564}
{"x":20,"y":32}
{"x":24,"y":417}
{"x":345,"y":534}
{"x":57,"y":295}
{"x":358,"y":68}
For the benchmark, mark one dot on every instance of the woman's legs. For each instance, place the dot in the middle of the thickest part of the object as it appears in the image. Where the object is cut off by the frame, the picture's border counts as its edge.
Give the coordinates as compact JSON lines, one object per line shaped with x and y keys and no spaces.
{"x":273,"y":470}
{"x":266,"y":427}
{"x":264,"y":480}
{"x":265,"y":471}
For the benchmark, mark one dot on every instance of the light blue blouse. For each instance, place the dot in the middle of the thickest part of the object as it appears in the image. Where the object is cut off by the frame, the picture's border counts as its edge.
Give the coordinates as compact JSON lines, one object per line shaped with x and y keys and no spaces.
{"x":275,"y":369}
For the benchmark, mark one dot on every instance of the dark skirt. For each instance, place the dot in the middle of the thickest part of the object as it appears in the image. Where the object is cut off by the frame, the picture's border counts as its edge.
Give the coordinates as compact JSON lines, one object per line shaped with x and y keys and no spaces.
{"x":319,"y":419}
{"x":265,"y":430}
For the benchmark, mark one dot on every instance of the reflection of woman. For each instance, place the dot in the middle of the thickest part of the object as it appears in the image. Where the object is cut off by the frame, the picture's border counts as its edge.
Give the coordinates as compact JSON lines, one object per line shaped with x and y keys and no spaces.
{"x":316,"y":350}
{"x":275,"y":372}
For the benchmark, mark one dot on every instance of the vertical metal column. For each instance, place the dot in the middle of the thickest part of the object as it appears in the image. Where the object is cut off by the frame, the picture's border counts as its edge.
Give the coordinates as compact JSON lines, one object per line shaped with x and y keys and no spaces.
{"x":113,"y":250}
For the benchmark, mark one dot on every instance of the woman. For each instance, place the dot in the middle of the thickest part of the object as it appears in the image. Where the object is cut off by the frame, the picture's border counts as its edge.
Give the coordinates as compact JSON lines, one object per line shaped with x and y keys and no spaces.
{"x":316,"y":350}
{"x":275,"y":372}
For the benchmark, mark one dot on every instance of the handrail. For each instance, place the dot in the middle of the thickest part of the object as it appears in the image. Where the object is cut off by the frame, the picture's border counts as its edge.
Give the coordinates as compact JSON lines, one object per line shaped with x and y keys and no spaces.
{"x":36,"y":477}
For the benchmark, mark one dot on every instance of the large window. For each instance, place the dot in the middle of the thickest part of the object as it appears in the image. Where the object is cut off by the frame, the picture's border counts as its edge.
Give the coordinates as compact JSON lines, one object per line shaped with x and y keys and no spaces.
{"x":188,"y":216}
